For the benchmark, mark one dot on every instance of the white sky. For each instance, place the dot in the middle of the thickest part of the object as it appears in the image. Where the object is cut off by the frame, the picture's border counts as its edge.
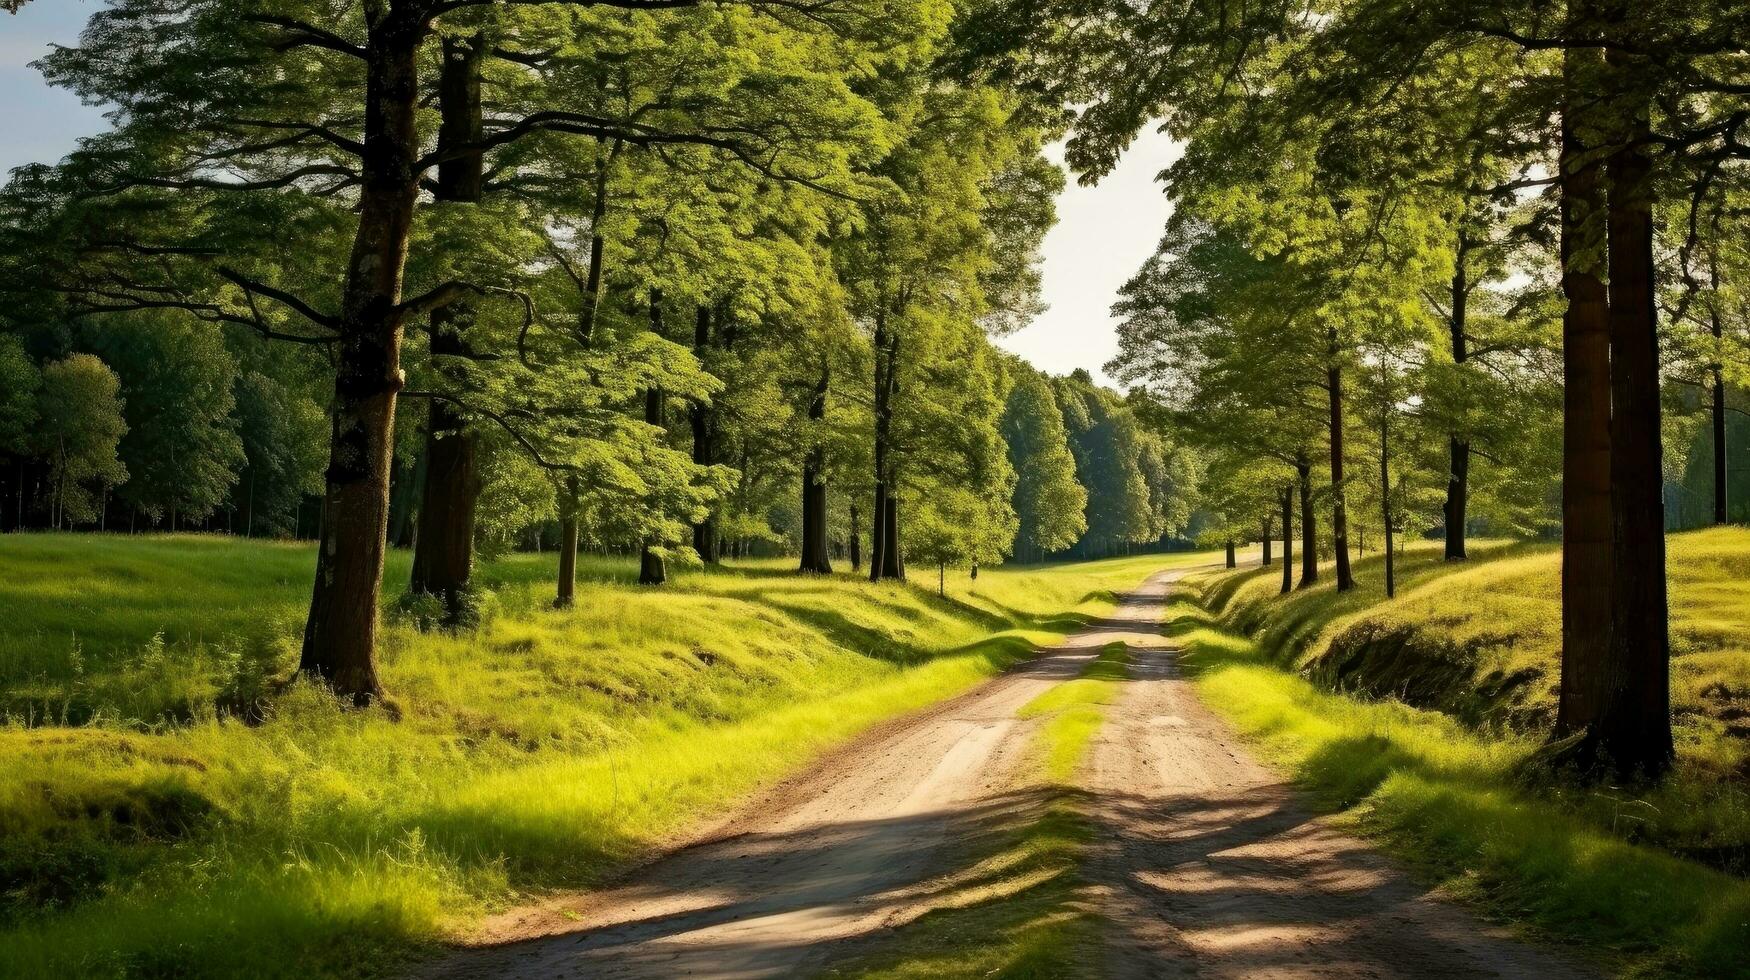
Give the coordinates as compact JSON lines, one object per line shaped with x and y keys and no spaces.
{"x":1103,"y":233}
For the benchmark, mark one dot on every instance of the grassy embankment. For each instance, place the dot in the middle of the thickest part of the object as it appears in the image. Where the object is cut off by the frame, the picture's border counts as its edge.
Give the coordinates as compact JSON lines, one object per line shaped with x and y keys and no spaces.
{"x":166,"y":808}
{"x":1016,"y":910}
{"x":1416,"y":718}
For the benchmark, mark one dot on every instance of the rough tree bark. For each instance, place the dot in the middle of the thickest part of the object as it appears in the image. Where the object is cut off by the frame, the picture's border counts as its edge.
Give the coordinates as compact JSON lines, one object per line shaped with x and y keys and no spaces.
{"x":815,"y":557}
{"x":1339,"y":509}
{"x":443,"y":553}
{"x":1587,"y":557}
{"x":340,"y":636}
{"x":1309,"y":542}
{"x":1456,"y":508}
{"x":1632,"y":732}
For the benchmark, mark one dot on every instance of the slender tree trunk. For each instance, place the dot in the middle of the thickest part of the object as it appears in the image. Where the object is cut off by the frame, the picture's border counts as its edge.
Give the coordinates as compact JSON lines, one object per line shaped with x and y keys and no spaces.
{"x":893,"y":555}
{"x":856,"y":541}
{"x":1309,"y":541}
{"x":1719,"y":400}
{"x":1633,"y":729}
{"x":1456,"y":508}
{"x":1339,"y":511}
{"x":1391,"y":586}
{"x":1587,"y":557}
{"x":340,"y":637}
{"x":814,"y":527}
{"x":1264,"y":538}
{"x":704,"y":419}
{"x":651,"y":568}
{"x":1232,"y":561}
{"x":1287,"y":538}
{"x":566,"y":593}
{"x":443,"y":552}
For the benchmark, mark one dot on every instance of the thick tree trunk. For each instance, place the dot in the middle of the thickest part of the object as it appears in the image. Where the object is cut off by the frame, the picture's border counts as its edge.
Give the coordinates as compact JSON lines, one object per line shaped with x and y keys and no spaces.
{"x":443,"y":554}
{"x":1633,"y":729}
{"x":1456,"y":508}
{"x":856,"y":541}
{"x":1287,"y":538}
{"x":704,"y":419}
{"x":893,"y":554}
{"x":1309,"y":541}
{"x":814,"y":528}
{"x":1232,"y":561}
{"x":1339,"y":510}
{"x":340,"y":636}
{"x":1587,"y":557}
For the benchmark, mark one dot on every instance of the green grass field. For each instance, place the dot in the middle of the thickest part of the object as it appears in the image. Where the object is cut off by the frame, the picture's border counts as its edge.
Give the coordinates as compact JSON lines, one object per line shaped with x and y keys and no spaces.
{"x":166,"y":808}
{"x":1418,"y":718}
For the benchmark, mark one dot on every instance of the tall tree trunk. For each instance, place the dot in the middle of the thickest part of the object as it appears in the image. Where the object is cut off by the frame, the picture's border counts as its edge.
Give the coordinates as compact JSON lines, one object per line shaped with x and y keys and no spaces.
{"x":1232,"y":561}
{"x":1633,"y":729}
{"x":1587,"y":557}
{"x":1719,"y":399}
{"x":652,"y":570}
{"x":881,"y":525}
{"x":1287,"y":538}
{"x":443,"y":553}
{"x":1456,"y":508}
{"x":893,"y":555}
{"x":340,"y":636}
{"x":1264,"y":538}
{"x":856,"y":541}
{"x":814,"y":528}
{"x":1339,"y":510}
{"x":567,"y":590}
{"x":1309,"y":541}
{"x":1391,"y":585}
{"x":704,"y":419}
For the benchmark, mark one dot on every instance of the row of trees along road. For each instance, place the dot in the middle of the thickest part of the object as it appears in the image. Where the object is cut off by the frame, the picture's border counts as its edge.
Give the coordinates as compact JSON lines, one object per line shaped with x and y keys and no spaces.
{"x":1472,"y":243}
{"x":595,"y":274}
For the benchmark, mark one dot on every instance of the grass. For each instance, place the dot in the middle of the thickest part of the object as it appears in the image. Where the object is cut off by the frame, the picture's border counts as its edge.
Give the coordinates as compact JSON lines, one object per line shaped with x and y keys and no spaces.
{"x":146,"y":830}
{"x":1016,"y":911}
{"x":1415,"y":717}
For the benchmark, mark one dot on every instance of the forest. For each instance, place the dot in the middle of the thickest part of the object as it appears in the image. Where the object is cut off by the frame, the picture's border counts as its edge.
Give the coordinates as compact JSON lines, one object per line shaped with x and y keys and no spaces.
{"x":453,"y":453}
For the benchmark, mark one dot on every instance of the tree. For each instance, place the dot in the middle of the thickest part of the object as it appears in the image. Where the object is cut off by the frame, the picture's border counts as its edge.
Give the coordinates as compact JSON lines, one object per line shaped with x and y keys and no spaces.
{"x":79,"y":427}
{"x":181,"y":450}
{"x":1049,"y":504}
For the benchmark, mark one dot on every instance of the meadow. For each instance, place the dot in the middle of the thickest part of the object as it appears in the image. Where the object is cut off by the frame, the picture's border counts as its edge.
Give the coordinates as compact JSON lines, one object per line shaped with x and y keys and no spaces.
{"x":171,"y":803}
{"x":1422,"y":720}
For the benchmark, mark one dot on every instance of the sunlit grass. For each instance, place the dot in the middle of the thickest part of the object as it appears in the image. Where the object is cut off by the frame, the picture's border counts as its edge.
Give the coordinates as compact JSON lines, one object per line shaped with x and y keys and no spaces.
{"x":158,"y":830}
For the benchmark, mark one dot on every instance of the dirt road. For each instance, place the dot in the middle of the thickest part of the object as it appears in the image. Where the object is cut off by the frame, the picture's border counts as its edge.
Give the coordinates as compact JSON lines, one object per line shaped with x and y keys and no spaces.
{"x":1205,"y":864}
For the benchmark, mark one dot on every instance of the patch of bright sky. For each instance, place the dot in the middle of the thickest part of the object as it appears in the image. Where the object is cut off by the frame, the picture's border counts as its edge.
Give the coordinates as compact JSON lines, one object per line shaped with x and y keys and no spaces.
{"x":1102,"y":236}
